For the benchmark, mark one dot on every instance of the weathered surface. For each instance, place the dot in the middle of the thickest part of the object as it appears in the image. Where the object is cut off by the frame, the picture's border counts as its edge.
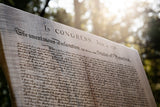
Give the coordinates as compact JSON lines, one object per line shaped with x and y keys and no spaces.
{"x":50,"y":64}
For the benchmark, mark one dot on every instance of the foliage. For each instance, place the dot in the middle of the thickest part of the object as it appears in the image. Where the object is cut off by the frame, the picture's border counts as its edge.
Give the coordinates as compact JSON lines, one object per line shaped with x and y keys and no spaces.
{"x":151,"y":55}
{"x":32,"y":6}
{"x":4,"y":92}
{"x":63,"y":17}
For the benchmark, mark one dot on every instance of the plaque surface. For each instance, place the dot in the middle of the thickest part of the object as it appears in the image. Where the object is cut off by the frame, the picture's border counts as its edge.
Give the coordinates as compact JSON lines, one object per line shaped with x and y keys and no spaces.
{"x":50,"y":64}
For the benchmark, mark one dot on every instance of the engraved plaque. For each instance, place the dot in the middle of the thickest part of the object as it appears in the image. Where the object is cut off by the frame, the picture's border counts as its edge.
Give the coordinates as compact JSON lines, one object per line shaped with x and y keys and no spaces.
{"x":48,"y":64}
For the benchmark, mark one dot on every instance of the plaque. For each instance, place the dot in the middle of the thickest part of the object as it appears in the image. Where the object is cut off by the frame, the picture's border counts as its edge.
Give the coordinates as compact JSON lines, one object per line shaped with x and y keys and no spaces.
{"x":50,"y":64}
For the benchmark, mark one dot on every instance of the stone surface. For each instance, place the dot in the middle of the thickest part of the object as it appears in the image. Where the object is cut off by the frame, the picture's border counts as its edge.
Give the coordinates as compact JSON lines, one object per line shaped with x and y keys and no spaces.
{"x":50,"y":64}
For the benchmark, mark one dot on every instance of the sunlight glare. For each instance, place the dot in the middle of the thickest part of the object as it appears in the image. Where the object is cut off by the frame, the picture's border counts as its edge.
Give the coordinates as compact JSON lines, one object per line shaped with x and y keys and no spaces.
{"x":118,"y":6}
{"x":52,"y":4}
{"x":131,"y":39}
{"x":132,"y":47}
{"x":67,"y":5}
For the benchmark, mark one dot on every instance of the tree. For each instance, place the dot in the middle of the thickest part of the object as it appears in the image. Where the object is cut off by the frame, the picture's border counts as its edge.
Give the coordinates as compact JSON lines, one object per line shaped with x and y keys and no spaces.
{"x":79,"y":11}
{"x":151,"y":55}
{"x":4,"y":91}
{"x":32,"y":6}
{"x":63,"y":17}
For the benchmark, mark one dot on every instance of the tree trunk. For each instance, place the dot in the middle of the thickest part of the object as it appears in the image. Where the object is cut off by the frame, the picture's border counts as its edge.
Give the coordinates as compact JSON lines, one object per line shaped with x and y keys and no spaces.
{"x":77,"y":10}
{"x":43,"y":10}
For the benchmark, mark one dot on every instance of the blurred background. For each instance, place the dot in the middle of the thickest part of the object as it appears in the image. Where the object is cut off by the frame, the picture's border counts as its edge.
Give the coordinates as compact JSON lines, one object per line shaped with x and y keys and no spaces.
{"x":134,"y":23}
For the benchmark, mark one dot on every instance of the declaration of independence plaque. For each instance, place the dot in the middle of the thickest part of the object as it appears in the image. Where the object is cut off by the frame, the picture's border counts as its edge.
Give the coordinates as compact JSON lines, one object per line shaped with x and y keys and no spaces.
{"x":48,"y":64}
